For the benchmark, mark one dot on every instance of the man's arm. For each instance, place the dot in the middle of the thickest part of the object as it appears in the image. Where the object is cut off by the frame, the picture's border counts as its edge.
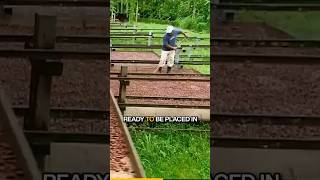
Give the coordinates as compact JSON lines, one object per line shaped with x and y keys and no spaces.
{"x":185,"y":35}
{"x":171,"y":47}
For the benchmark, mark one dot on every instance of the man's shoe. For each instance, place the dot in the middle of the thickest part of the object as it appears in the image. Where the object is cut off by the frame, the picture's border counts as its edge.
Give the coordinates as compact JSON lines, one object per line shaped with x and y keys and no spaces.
{"x":168,"y":69}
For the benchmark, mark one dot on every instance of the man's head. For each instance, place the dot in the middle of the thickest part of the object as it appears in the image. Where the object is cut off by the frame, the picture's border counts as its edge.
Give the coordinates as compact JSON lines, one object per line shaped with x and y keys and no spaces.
{"x":170,"y":30}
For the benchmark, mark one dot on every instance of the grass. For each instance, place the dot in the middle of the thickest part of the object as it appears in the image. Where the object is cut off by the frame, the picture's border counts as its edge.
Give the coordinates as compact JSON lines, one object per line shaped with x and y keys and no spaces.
{"x":302,"y":25}
{"x":204,"y":69}
{"x":174,"y":155}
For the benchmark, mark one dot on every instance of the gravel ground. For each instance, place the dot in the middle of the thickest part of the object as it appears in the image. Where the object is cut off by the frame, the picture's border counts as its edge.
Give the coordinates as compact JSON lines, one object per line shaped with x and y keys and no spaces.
{"x":115,"y":55}
{"x":119,"y":154}
{"x":9,"y":169}
{"x":85,"y":79}
{"x":265,"y":89}
{"x":72,"y":30}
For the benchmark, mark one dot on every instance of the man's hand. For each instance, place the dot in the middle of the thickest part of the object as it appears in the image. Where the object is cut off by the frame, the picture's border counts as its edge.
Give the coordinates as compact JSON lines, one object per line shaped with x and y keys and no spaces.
{"x":185,"y":35}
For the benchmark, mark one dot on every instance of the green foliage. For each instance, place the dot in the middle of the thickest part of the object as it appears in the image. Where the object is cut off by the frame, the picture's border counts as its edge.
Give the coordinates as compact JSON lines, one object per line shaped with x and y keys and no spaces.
{"x":189,"y":14}
{"x":303,"y":25}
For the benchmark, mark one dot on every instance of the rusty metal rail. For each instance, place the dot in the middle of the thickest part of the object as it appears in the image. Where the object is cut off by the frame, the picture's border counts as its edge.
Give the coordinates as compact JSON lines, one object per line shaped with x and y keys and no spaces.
{"x":268,"y":6}
{"x":79,"y":3}
{"x":264,"y":58}
{"x":164,"y":105}
{"x":170,"y":74}
{"x":157,"y":62}
{"x":59,"y":38}
{"x":155,"y":46}
{"x":54,"y":54}
{"x":232,"y":42}
{"x":135,"y":159}
{"x":161,"y":79}
{"x":265,"y":143}
{"x":84,"y":113}
{"x":265,"y":119}
{"x":17,"y":140}
{"x":167,"y":98}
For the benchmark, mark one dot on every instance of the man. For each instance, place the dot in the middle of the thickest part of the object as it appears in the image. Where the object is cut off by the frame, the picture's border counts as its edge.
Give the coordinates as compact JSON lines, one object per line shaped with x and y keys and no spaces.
{"x":169,"y":48}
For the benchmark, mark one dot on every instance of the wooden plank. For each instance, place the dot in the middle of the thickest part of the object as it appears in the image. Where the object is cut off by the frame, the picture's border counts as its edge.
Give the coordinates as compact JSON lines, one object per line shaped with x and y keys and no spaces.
{"x":17,"y":139}
{"x":134,"y":154}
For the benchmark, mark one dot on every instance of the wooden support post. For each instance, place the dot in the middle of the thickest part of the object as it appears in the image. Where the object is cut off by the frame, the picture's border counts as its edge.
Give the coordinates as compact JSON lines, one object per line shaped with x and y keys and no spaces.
{"x":197,"y":42}
{"x":177,"y":57}
{"x":123,"y":88}
{"x":42,"y":71}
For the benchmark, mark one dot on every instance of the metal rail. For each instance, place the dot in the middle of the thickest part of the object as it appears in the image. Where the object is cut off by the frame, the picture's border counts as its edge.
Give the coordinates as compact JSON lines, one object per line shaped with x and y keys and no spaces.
{"x":161,"y":79}
{"x":40,"y":140}
{"x":131,"y":34}
{"x":170,"y":74}
{"x":167,"y":98}
{"x":264,"y":58}
{"x":79,"y":3}
{"x":155,"y":46}
{"x":264,"y":42}
{"x":265,"y":119}
{"x":17,"y":140}
{"x":269,"y":1}
{"x":54,"y":54}
{"x":59,"y":38}
{"x":268,"y":6}
{"x":165,"y":105}
{"x":194,"y":56}
{"x":137,"y":29}
{"x":45,"y":137}
{"x":157,"y":62}
{"x":135,"y":159}
{"x":265,"y":143}
{"x":84,"y":113}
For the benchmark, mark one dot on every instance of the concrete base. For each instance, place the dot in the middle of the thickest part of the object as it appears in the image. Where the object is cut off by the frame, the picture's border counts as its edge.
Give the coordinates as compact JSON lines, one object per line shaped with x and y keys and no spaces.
{"x":292,"y":164}
{"x":203,"y":114}
{"x":76,"y":157}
